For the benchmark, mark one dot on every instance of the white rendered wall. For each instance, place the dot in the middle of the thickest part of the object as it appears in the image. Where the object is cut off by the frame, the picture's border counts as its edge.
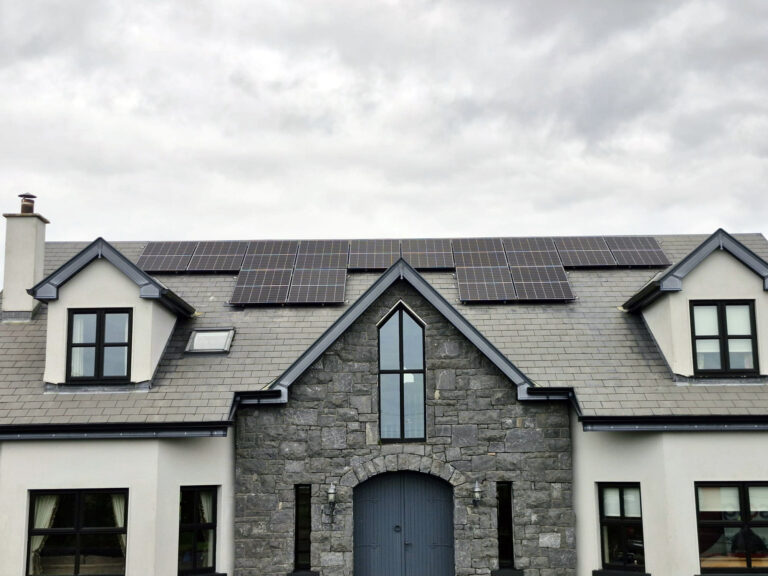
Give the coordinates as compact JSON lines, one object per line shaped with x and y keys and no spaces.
{"x":719,"y":277}
{"x":153,"y":472}
{"x":666,"y":465}
{"x":24,"y":260}
{"x":101,"y":285}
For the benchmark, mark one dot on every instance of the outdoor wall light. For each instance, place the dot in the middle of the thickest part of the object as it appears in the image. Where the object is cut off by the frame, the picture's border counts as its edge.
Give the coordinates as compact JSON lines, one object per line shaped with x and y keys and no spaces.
{"x":477,"y":493}
{"x":332,"y":499}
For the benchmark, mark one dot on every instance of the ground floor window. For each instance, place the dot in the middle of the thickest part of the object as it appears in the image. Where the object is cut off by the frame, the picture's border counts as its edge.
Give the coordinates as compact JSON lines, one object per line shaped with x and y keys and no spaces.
{"x":197,"y":530}
{"x":504,"y":523}
{"x":621,"y":526}
{"x":73,"y":532}
{"x":732,"y":526}
{"x":303,"y":542}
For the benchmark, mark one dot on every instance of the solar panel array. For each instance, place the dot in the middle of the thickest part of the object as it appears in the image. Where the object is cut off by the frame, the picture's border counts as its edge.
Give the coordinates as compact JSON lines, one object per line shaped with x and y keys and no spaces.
{"x":536,"y":269}
{"x":487,"y":269}
{"x":320,"y":274}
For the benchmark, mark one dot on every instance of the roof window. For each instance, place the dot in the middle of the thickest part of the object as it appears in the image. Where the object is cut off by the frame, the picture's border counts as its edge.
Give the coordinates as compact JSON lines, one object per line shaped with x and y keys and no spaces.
{"x":211,"y":340}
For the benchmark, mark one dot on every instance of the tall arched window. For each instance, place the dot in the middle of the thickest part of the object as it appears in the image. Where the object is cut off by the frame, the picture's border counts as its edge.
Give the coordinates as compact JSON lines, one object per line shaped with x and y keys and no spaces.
{"x":401,"y":377}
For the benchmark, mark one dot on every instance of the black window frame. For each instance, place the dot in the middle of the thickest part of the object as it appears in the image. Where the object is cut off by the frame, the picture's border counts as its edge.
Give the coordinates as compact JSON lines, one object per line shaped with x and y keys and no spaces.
{"x":621,"y":521}
{"x":400,"y":309}
{"x":302,"y":528}
{"x":99,"y":346}
{"x":723,"y":338}
{"x":194,"y":527}
{"x":745,"y":522}
{"x":78,"y":530}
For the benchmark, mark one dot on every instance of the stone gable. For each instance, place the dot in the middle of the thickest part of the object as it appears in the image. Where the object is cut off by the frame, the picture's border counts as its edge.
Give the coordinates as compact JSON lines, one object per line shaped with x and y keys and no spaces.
{"x":476,"y":431}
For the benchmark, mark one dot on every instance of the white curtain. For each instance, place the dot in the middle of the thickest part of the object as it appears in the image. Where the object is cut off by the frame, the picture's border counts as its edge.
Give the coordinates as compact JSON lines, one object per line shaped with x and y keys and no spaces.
{"x":118,"y":507}
{"x":206,"y":510}
{"x":45,"y":511}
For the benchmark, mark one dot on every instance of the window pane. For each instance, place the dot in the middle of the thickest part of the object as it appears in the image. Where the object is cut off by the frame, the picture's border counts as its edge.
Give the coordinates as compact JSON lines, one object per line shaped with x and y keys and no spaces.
{"x":186,"y":550}
{"x":390,"y":406}
{"x":83,"y":328}
{"x":738,"y":320}
{"x":83,"y":362}
{"x":389,"y":344}
{"x":758,"y":502}
{"x":187,"y":507}
{"x":303,"y":527}
{"x":414,"y":405}
{"x":708,"y":354}
{"x":205,"y":549}
{"x":758,"y":547}
{"x":740,"y":354}
{"x":103,"y":510}
{"x":719,"y":548}
{"x":102,"y":554}
{"x":719,"y":503}
{"x":116,"y":361}
{"x":52,"y":555}
{"x":705,"y":320}
{"x":116,"y":327}
{"x":632,"y":502}
{"x":611,"y":505}
{"x":63,"y":514}
{"x":413,"y":344}
{"x":613,"y":550}
{"x":210,"y":340}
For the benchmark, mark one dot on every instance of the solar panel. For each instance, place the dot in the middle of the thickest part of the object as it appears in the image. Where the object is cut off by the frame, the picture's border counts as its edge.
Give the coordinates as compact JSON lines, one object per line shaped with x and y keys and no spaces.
{"x":166,"y":256}
{"x":318,"y":286}
{"x":323,"y":254}
{"x":584,"y":252}
{"x":485,"y":284}
{"x":261,"y":287}
{"x":225,"y":256}
{"x":636,"y":251}
{"x":270,"y":254}
{"x":426,"y":254}
{"x":536,"y":269}
{"x":483,"y":252}
{"x":373,"y":254}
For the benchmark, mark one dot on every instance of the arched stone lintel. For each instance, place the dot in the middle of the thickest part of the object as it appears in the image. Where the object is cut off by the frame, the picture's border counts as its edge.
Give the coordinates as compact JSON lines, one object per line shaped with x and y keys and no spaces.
{"x":362,"y":470}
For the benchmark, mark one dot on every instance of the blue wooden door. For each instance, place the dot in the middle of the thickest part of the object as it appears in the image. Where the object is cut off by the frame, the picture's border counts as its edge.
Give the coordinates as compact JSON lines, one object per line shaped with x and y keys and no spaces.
{"x":403,"y":526}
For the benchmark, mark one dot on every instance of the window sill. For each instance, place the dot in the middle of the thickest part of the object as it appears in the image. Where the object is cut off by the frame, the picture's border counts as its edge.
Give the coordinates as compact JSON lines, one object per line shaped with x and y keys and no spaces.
{"x":507,"y":572}
{"x":304,"y":573}
{"x":617,"y":572}
{"x":96,"y":387}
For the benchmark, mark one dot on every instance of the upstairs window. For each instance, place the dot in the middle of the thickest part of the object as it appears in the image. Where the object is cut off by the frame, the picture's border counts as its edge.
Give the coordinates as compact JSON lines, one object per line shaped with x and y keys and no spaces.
{"x":724,"y":338}
{"x":99,"y":345}
{"x":401,"y":377}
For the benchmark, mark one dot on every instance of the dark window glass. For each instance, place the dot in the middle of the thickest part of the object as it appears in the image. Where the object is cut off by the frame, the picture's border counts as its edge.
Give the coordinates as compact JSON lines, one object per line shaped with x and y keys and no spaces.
{"x":621,"y":526}
{"x":401,"y":378}
{"x":732,"y":526}
{"x":506,"y":549}
{"x":99,"y":345}
{"x":724,"y":339}
{"x":197,"y":530}
{"x":303,"y":543}
{"x":77,"y":532}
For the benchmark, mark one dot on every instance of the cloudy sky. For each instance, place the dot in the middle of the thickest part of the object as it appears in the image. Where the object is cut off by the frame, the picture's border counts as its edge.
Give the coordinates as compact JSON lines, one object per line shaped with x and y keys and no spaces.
{"x":366,"y":118}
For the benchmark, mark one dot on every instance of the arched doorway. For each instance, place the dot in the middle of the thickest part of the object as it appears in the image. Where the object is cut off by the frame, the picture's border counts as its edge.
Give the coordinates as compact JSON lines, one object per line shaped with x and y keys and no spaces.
{"x":403,"y":526}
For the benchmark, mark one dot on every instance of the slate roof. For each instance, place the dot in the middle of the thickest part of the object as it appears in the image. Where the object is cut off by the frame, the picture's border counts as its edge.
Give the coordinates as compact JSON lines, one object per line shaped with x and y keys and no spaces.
{"x":605,"y":354}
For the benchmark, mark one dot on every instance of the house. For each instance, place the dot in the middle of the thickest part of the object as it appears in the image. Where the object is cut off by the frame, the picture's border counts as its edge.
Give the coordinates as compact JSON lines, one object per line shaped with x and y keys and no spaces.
{"x":534,"y":406}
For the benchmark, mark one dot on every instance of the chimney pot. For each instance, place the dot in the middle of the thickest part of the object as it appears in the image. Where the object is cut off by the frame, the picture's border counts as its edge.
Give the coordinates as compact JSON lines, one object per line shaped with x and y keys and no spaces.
{"x":27,"y":203}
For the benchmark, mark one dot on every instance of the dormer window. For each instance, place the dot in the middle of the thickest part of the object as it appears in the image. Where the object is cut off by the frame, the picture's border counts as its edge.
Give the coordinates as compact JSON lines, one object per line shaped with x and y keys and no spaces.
{"x":99,"y":347}
{"x":724,"y":338}
{"x":401,"y":377}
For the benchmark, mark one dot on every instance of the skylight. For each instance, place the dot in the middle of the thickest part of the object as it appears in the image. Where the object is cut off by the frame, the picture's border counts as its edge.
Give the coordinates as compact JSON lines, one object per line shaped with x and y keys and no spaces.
{"x":211,"y":340}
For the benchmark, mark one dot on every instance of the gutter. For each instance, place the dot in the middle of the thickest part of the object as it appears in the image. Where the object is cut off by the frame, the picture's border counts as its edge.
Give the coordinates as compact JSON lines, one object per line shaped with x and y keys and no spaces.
{"x":549,"y":394}
{"x":688,"y":423}
{"x":271,"y":396}
{"x":114,"y":431}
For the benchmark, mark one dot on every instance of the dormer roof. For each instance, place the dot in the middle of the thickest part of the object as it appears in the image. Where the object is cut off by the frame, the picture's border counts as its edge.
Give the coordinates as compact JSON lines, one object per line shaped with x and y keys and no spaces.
{"x":48,"y":288}
{"x":671,"y":280}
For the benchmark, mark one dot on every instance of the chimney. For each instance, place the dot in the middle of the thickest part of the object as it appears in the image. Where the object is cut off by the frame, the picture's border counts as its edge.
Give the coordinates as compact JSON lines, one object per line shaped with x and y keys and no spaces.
{"x":24,"y":258}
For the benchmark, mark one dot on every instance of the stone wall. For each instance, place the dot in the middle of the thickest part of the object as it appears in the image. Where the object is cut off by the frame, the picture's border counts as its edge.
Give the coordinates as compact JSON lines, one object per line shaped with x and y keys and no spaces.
{"x":476,"y":430}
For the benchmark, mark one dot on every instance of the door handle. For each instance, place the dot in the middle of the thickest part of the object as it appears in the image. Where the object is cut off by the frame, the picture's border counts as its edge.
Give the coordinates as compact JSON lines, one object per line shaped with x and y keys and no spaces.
{"x":397,"y":528}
